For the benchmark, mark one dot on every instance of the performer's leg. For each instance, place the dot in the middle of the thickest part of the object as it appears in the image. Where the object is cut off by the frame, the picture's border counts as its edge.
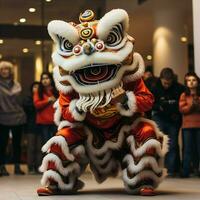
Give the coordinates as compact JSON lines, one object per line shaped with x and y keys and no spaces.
{"x":143,"y":165}
{"x":63,"y":164}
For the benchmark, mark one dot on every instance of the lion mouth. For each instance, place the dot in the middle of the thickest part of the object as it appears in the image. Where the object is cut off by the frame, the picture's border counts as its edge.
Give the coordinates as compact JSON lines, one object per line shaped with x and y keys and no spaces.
{"x":96,"y":73}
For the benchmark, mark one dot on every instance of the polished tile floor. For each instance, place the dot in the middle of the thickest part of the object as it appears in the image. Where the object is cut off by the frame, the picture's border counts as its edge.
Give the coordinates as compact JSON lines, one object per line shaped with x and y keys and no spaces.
{"x":24,"y":188}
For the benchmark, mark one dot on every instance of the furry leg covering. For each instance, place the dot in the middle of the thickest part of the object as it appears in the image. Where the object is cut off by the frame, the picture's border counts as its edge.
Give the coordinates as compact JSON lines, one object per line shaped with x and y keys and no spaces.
{"x":62,"y":166}
{"x":141,"y":169}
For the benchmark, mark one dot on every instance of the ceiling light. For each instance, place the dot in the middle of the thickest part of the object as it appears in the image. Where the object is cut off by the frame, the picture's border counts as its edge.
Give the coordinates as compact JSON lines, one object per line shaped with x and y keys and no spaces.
{"x":48,"y":0}
{"x":149,"y":57}
{"x":1,"y":41}
{"x":184,"y":39}
{"x":32,"y":10}
{"x":38,"y":42}
{"x":25,"y":50}
{"x":1,"y":56}
{"x":22,"y":20}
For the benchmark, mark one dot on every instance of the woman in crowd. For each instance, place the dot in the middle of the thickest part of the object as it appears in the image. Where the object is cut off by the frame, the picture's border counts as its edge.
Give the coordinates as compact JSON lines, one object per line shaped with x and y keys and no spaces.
{"x":12,"y":116}
{"x":189,"y":106}
{"x":33,"y":136}
{"x":44,"y":99}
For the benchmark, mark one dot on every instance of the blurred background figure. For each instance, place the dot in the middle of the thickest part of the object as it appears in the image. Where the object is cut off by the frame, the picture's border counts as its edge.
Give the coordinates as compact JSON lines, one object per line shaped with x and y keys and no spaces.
{"x":34,"y":155}
{"x":166,"y":114}
{"x":44,"y":99}
{"x":149,"y":79}
{"x":189,"y":106}
{"x":12,"y":116}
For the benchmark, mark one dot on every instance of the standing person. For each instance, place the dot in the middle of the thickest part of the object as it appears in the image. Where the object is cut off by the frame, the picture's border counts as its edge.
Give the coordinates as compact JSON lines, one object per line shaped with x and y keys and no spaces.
{"x":150,"y":81}
{"x":34,"y":137}
{"x":149,"y":78}
{"x":12,"y":116}
{"x":166,"y":114}
{"x":189,"y":106}
{"x":44,"y":99}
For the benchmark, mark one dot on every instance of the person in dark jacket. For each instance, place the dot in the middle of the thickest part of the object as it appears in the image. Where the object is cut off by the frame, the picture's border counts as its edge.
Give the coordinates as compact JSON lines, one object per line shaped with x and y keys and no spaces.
{"x":12,"y":116}
{"x":166,"y":114}
{"x":34,"y":155}
{"x":150,"y":81}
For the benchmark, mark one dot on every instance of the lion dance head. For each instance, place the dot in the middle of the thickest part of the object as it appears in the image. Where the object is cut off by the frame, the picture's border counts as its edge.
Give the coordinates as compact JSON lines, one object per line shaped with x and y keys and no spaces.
{"x":94,"y":57}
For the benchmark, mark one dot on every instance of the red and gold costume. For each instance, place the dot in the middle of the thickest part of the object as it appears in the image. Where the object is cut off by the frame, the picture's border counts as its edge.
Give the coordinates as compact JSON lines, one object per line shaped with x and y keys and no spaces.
{"x":100,"y":110}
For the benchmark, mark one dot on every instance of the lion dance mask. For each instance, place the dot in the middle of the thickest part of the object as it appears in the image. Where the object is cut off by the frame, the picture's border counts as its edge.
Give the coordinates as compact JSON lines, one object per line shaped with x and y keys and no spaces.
{"x":100,"y":109}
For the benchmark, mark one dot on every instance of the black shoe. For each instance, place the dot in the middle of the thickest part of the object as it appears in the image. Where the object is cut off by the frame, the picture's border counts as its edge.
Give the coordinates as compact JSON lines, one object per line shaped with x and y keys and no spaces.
{"x":31,"y":170}
{"x":170,"y":175}
{"x":3,"y":171}
{"x":18,"y":171}
{"x":185,"y":175}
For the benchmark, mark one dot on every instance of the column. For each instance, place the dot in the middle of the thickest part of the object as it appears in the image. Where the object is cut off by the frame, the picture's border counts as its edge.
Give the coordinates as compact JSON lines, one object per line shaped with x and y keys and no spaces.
{"x":196,"y":27}
{"x":168,"y":50}
{"x":38,"y":67}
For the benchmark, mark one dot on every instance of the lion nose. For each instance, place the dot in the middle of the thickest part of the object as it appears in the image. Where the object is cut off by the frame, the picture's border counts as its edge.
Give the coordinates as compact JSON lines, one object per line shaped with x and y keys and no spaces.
{"x":88,"y":48}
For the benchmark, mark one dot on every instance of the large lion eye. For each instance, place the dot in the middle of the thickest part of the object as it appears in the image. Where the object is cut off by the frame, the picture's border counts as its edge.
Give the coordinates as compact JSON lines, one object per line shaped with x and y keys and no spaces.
{"x":115,"y":36}
{"x":65,"y":45}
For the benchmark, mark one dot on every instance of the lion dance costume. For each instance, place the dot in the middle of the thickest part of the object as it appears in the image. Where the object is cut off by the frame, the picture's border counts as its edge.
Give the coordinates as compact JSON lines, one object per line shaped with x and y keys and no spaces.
{"x":100,"y":109}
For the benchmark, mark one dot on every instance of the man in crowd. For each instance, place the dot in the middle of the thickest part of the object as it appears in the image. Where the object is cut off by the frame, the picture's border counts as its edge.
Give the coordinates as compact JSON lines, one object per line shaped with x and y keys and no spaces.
{"x":166,"y":114}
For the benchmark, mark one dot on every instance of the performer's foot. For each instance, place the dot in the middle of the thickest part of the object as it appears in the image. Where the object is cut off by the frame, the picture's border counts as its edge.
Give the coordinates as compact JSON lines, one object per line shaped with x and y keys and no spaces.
{"x":147,"y":191}
{"x":45,"y":191}
{"x":54,"y":190}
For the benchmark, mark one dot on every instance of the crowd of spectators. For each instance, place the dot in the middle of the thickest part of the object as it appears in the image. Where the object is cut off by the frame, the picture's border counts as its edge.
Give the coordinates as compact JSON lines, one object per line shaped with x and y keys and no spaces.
{"x":176,"y":110}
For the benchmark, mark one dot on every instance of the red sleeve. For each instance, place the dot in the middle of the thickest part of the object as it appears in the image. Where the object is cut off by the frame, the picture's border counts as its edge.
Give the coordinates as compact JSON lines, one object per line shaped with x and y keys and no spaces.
{"x":184,"y":106}
{"x":39,"y":103}
{"x":144,"y":98}
{"x":64,"y":101}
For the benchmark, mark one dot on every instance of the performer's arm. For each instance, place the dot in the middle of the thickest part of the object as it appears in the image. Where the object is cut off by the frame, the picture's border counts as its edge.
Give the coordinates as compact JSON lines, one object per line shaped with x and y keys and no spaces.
{"x":144,"y":98}
{"x":68,"y":108}
{"x":140,"y":99}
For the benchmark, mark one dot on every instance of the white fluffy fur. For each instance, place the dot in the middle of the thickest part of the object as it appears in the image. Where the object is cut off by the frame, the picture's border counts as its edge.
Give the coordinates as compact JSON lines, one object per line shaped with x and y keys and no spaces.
{"x":57,"y":77}
{"x":79,"y":151}
{"x":106,"y":151}
{"x":64,"y":29}
{"x":137,"y":62}
{"x":102,"y":57}
{"x":83,"y":60}
{"x":102,"y":174}
{"x":66,"y":123}
{"x":138,"y":152}
{"x":142,"y":175}
{"x":72,"y":64}
{"x":132,"y":105}
{"x":50,"y":174}
{"x":145,"y":161}
{"x":57,"y":113}
{"x":125,"y":129}
{"x":72,"y":167}
{"x":108,"y":144}
{"x":159,"y":134}
{"x":110,"y":19}
{"x":60,"y":140}
{"x":77,"y":116}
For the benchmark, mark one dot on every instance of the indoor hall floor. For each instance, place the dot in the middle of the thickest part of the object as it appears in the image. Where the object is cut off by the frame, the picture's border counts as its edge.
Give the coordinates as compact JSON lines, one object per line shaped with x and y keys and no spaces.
{"x":24,"y":188}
